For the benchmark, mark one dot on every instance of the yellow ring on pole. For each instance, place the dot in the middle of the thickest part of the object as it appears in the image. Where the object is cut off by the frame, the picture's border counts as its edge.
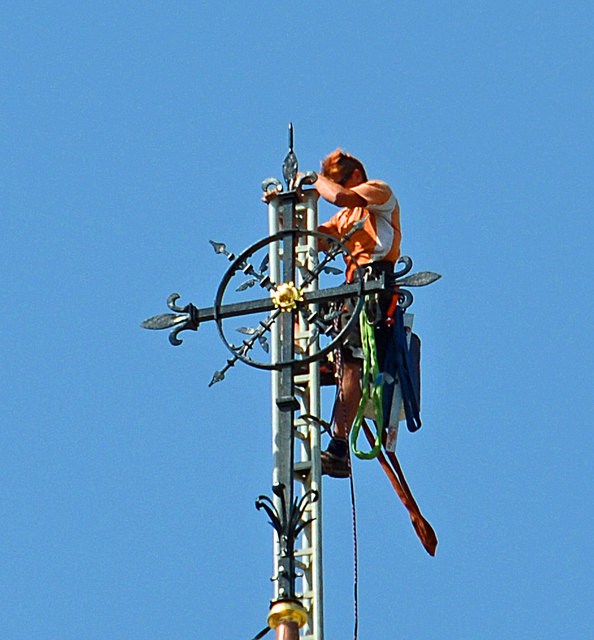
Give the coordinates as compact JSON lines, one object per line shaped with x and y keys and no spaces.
{"x":286,"y":296}
{"x":287,"y":611}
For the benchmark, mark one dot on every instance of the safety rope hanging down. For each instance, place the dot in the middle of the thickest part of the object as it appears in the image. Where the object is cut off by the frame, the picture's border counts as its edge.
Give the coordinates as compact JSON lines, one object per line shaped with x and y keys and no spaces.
{"x":371,"y":388}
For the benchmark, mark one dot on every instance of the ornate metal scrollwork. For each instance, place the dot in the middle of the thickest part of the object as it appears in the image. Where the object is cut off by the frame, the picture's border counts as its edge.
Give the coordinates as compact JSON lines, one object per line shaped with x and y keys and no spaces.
{"x":185,"y":318}
{"x":288,"y":521}
{"x":305,"y":304}
{"x":420,"y":279}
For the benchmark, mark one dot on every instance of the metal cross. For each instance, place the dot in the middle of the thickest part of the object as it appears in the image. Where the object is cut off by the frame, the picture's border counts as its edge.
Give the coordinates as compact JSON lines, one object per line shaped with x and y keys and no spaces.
{"x":291,"y":282}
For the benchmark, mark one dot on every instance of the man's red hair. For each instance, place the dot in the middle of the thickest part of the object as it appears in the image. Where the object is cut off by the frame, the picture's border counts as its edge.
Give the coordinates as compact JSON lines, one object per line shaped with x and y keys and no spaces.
{"x":339,"y":166}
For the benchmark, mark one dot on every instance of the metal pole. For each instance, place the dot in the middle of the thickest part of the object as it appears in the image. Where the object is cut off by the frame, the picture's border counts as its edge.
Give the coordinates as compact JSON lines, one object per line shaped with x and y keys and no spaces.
{"x":314,"y":533}
{"x":282,"y":269}
{"x":275,"y":348}
{"x":309,"y":550}
{"x":287,"y":614}
{"x":287,"y":631}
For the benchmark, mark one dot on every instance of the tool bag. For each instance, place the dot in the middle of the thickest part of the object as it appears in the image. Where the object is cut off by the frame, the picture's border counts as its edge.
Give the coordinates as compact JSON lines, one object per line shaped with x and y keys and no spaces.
{"x":402,"y":365}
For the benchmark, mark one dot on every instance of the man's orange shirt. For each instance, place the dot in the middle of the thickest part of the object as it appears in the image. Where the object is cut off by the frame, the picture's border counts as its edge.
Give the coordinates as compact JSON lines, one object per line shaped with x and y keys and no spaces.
{"x":379,"y":239}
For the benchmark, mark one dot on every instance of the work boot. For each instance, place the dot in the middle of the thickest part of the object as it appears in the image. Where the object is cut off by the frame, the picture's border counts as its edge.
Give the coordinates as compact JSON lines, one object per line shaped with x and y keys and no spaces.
{"x":335,"y":460}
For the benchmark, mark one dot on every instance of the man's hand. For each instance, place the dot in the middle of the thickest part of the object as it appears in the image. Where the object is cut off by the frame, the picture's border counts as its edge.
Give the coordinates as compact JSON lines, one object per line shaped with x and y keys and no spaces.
{"x":271,"y":193}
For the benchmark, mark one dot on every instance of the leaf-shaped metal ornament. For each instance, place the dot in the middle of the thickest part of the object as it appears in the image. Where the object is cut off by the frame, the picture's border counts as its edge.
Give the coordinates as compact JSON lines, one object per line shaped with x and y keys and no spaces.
{"x":420,"y":279}
{"x":250,"y":331}
{"x":332,"y":270}
{"x":314,"y":336}
{"x":264,"y":264}
{"x":247,"y":284}
{"x":291,"y":164}
{"x":164,"y":321}
{"x":264,"y":343}
{"x":217,"y":377}
{"x":184,"y":318}
{"x":307,"y":274}
{"x":219,"y":247}
{"x":220,"y":375}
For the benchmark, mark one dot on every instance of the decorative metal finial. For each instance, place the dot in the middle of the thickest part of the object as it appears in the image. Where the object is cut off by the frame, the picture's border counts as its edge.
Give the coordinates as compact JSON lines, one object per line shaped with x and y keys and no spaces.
{"x":288,"y":519}
{"x":291,"y":164}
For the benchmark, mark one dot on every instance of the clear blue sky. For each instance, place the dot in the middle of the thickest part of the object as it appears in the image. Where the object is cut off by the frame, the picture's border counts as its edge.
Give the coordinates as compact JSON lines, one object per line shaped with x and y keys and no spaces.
{"x":130,"y":135}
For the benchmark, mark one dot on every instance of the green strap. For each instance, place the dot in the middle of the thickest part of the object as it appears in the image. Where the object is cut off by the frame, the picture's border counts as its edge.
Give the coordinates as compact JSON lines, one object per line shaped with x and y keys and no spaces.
{"x":370,"y":387}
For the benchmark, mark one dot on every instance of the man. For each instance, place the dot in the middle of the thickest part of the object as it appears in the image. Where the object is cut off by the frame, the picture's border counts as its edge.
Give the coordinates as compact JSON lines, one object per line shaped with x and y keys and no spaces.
{"x":343,"y":182}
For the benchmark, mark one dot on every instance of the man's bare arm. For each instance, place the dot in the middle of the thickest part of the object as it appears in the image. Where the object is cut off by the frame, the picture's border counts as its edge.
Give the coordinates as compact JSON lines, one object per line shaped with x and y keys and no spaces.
{"x":336,"y":194}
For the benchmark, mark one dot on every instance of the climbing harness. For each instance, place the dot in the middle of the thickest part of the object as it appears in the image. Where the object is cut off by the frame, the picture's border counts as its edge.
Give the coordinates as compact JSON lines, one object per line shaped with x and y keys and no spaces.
{"x":371,"y":388}
{"x":378,"y":386}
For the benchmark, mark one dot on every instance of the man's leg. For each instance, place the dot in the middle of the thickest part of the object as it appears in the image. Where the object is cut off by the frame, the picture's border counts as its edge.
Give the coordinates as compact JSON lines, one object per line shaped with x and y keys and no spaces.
{"x":349,"y":397}
{"x":335,"y":460}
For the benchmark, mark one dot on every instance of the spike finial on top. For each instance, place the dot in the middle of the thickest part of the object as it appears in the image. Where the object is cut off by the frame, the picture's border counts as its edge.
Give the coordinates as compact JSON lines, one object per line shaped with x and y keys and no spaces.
{"x":290,"y":165}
